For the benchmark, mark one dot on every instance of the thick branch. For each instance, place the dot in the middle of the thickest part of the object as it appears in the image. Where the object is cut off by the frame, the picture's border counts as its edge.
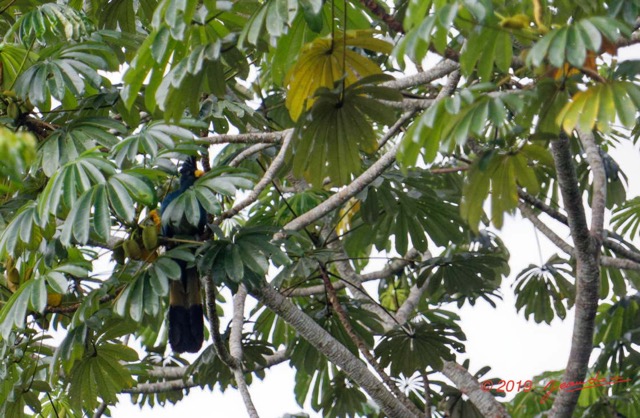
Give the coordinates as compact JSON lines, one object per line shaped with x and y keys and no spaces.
{"x":346,"y":193}
{"x":542,"y":227}
{"x":337,"y":353}
{"x":599,"y":195}
{"x":587,"y":252}
{"x":161,"y":387}
{"x":346,"y":323}
{"x":484,"y":401}
{"x":440,"y":70}
{"x":249,"y":138}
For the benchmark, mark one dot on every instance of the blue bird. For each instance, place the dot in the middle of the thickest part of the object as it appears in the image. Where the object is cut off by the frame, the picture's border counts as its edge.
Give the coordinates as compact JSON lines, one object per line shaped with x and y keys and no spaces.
{"x":186,"y":323}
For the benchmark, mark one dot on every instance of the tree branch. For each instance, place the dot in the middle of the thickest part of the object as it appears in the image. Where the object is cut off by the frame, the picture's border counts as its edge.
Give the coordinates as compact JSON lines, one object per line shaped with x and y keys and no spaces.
{"x":266,"y":179}
{"x":372,"y":173}
{"x":346,"y":193}
{"x":335,"y":352}
{"x":248,"y":138}
{"x":161,"y":387}
{"x":599,"y":186}
{"x":484,"y":401}
{"x":605,"y":261}
{"x":253,"y":149}
{"x":440,"y":70}
{"x":344,"y":320}
{"x":610,"y":243}
{"x":218,"y":344}
{"x":415,"y":294}
{"x":587,"y":252}
{"x":235,"y":347}
{"x":395,"y":266}
{"x":542,"y":227}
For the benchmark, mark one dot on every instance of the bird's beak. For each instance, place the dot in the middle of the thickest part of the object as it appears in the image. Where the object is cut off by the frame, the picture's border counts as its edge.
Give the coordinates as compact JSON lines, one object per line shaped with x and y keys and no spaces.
{"x":198,"y":173}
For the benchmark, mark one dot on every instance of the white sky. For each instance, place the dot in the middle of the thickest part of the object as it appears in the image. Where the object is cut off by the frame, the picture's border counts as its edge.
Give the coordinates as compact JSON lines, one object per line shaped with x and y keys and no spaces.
{"x":516,"y":349}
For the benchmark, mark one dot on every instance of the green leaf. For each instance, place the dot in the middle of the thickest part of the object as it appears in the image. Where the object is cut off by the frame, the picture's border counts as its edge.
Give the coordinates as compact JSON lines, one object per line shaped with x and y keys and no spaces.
{"x":120,"y":200}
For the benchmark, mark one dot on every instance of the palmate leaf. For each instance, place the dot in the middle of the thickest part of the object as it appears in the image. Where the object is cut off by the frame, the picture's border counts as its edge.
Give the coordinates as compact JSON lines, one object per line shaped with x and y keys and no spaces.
{"x":245,"y":259}
{"x":206,"y":192}
{"x":143,"y":295}
{"x":12,"y":58}
{"x":50,"y":22}
{"x":571,"y":43}
{"x":455,"y":119}
{"x":31,"y":295}
{"x":422,"y":345}
{"x":172,"y":69}
{"x":615,"y":322}
{"x":150,"y":139}
{"x":500,"y":174}
{"x":339,"y":396}
{"x":616,"y":334}
{"x":320,"y":65}
{"x":308,"y":26}
{"x":276,"y":16}
{"x":599,"y":106}
{"x":328,"y":140}
{"x":24,"y":231}
{"x":464,"y":276}
{"x":101,"y":375}
{"x":424,"y":31}
{"x":626,"y":218}
{"x":409,"y":208}
{"x":191,"y":74}
{"x":486,"y":48}
{"x":64,"y":73}
{"x":545,"y":291}
{"x":72,"y":180}
{"x":82,"y":135}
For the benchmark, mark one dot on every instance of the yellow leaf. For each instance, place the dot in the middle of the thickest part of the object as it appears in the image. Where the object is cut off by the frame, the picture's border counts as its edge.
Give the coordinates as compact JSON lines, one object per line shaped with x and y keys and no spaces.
{"x":321,"y":65}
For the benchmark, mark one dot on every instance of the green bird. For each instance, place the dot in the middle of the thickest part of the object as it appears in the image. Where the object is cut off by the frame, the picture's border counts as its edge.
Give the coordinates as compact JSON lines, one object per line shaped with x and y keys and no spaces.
{"x":186,"y":323}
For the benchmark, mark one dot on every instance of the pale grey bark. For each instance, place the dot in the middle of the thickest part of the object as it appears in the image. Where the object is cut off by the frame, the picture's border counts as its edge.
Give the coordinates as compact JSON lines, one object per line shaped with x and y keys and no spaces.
{"x":335,"y":352}
{"x":248,"y":138}
{"x":438,"y":71}
{"x":266,"y":179}
{"x":235,"y":349}
{"x":247,"y":153}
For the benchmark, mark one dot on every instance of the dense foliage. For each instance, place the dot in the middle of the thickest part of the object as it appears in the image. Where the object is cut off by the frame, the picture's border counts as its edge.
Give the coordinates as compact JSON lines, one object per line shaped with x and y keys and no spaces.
{"x":330,"y":132}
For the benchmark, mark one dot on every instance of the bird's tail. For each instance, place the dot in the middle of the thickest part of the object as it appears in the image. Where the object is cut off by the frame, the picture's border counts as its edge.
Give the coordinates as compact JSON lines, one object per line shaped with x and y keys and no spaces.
{"x":186,"y":324}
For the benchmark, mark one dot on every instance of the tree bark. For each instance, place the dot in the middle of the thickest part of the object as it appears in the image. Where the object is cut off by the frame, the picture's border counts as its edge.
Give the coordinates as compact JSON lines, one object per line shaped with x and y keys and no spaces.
{"x":587,"y":250}
{"x":332,"y":349}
